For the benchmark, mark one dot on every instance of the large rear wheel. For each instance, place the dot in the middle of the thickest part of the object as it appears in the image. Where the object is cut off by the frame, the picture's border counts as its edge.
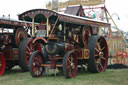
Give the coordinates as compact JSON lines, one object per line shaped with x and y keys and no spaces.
{"x":98,"y":54}
{"x":26,"y":49}
{"x":2,"y":64}
{"x":35,"y":62}
{"x":70,"y":65}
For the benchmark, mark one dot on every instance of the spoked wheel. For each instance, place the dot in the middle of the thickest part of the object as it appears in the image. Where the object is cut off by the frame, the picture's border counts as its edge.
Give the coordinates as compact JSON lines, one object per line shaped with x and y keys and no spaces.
{"x":98,"y":54}
{"x":26,"y":49}
{"x":35,"y":62}
{"x":87,"y":33}
{"x":70,"y":65}
{"x":2,"y":64}
{"x":20,"y":34}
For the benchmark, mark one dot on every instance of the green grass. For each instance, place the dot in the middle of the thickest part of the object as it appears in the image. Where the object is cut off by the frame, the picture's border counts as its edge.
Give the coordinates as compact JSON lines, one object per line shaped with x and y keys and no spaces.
{"x":110,"y":77}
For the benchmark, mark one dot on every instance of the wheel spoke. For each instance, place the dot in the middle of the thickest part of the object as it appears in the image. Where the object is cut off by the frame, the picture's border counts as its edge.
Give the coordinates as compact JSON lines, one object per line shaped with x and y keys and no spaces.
{"x":97,"y":61}
{"x":27,"y":58}
{"x":70,"y":72}
{"x":98,"y":44}
{"x":96,"y":54}
{"x":35,"y":46}
{"x":101,"y":66}
{"x":97,"y":50}
{"x":28,"y":53}
{"x":28,"y":49}
{"x":103,"y":58}
{"x":36,"y":72}
{"x":68,"y":66}
{"x":36,"y":61}
{"x":31,"y":47}
{"x":39,"y":60}
{"x":73,"y":66}
{"x":102,"y":48}
{"x":69,"y":61}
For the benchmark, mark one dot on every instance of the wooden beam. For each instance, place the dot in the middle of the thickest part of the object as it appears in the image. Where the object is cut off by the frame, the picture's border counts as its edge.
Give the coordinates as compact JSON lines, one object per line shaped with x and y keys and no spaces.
{"x":117,"y":28}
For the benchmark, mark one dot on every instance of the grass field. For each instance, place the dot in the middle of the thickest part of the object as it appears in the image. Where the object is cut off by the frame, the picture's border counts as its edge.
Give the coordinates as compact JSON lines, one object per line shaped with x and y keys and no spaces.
{"x":110,"y":77}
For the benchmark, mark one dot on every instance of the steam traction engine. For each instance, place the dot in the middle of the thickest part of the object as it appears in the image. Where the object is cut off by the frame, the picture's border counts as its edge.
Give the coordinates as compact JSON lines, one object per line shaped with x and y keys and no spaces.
{"x":15,"y":44}
{"x":69,"y":41}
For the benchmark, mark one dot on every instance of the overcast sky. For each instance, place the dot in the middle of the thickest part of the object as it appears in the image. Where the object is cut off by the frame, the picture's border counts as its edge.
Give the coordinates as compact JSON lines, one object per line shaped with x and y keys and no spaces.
{"x":14,"y":7}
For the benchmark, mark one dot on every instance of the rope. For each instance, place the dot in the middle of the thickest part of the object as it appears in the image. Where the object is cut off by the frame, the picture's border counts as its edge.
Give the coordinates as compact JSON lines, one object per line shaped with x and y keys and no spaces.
{"x":116,"y":27}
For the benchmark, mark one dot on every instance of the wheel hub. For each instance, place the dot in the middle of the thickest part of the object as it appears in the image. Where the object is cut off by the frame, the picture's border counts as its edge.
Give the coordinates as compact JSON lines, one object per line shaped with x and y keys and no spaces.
{"x":72,"y":64}
{"x":101,"y":54}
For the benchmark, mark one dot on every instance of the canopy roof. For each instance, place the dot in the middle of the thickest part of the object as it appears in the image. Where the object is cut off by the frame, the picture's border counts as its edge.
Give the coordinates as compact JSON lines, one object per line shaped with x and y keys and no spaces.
{"x":12,"y":23}
{"x":39,"y":14}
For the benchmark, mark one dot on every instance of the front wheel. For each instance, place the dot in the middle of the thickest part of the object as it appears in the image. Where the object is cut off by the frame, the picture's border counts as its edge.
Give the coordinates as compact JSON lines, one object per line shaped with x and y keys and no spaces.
{"x":98,"y":54}
{"x":70,"y":65}
{"x":35,"y":62}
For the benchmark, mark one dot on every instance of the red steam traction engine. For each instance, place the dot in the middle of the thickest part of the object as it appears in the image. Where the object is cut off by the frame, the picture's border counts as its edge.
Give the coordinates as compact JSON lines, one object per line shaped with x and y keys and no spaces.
{"x":68,"y":40}
{"x":15,"y":44}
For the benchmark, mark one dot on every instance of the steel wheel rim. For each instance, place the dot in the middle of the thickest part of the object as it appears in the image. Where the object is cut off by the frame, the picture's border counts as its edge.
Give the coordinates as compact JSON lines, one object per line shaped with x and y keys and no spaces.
{"x":20,"y":35}
{"x":101,"y":56}
{"x":2,"y":64}
{"x":36,"y":65}
{"x":71,"y":66}
{"x":31,"y":47}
